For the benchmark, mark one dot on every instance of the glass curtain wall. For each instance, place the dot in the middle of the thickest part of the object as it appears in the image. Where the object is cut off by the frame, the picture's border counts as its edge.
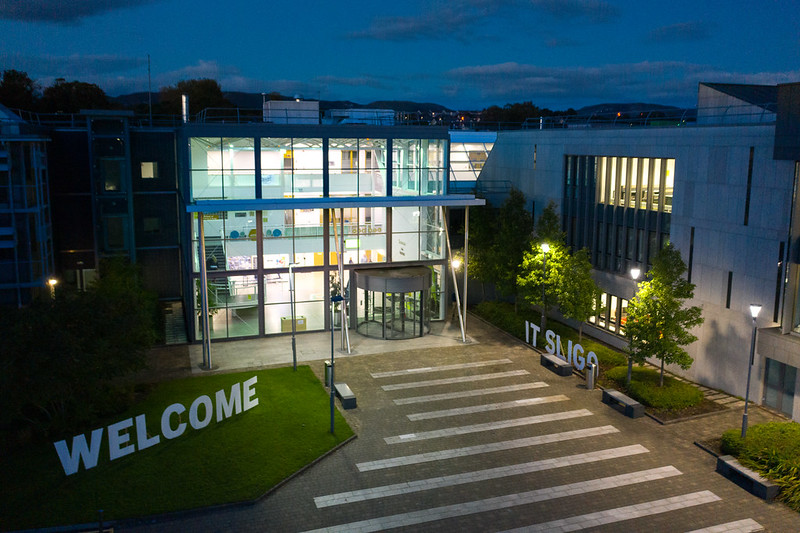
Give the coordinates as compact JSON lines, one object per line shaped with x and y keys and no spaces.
{"x":222,"y":168}
{"x":248,"y":252}
{"x":418,"y":166}
{"x":417,"y":234}
{"x":357,"y":167}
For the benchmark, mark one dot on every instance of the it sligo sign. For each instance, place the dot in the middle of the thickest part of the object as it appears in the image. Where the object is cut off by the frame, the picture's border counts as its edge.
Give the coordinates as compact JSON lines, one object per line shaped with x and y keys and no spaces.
{"x":202,"y":410}
{"x":573,"y":353}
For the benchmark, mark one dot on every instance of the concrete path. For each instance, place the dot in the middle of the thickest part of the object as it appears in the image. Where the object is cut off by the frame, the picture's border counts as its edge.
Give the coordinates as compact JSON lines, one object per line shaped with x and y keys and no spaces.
{"x":480,"y":437}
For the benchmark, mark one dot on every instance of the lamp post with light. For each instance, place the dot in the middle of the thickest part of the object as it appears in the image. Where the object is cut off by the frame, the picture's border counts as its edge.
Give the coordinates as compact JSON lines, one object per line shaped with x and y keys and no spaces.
{"x":754,"y":310}
{"x":294,"y":320}
{"x":52,"y":282}
{"x":545,"y":249}
{"x":635,"y":273}
{"x":334,"y":300}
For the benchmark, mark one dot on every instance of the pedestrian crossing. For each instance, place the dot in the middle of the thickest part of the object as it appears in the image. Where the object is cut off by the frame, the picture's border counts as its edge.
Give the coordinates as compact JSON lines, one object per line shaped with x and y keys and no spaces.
{"x":433,"y":483}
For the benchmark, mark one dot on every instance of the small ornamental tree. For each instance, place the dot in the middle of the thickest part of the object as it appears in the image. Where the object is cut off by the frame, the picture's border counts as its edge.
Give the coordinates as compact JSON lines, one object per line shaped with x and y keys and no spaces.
{"x":578,"y":294}
{"x":658,"y":323}
{"x":482,"y":229}
{"x":514,"y":228}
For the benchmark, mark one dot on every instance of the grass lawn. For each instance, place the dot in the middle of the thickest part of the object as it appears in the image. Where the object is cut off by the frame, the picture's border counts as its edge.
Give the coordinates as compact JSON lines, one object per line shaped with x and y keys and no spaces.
{"x":233,"y":460}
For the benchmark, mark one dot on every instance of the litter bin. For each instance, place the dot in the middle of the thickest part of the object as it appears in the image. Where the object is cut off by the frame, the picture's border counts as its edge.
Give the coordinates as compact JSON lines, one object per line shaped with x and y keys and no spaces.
{"x":591,"y":375}
{"x":327,"y":373}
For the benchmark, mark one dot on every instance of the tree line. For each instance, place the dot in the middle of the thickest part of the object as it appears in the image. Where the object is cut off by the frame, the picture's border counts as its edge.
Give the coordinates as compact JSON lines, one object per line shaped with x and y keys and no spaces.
{"x":19,"y":91}
{"x":63,"y":356}
{"x":532,"y":263}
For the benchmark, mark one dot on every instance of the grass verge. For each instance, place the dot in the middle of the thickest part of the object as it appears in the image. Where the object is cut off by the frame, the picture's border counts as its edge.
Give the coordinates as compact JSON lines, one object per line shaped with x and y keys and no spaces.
{"x":236,"y":459}
{"x":773,"y":450}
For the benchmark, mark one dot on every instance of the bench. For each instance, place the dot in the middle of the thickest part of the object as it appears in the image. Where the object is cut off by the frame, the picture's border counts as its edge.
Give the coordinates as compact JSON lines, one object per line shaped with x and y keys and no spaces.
{"x":345,"y":395}
{"x":627,"y":405}
{"x":556,"y":364}
{"x":752,"y":482}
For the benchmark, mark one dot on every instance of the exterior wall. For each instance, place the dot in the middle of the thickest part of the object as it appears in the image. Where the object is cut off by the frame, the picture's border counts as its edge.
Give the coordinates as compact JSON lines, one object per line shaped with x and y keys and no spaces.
{"x":26,"y":244}
{"x":731,"y":235}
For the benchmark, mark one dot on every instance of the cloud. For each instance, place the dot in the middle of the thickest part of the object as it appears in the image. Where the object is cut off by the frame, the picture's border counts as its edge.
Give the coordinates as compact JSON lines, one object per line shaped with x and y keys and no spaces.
{"x":594,"y":10}
{"x":457,"y":20}
{"x":681,"y":32}
{"x":669,"y":82}
{"x":73,"y":66}
{"x":61,"y":11}
{"x":465,"y":19}
{"x":358,"y":81}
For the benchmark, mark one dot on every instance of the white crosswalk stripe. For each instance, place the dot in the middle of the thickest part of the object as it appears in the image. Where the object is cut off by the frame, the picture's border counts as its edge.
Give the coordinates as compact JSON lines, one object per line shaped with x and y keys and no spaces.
{"x":443,"y":368}
{"x":490,"y":426}
{"x":487,"y":407}
{"x":485,"y":448}
{"x":476,"y":476}
{"x":620,"y":514}
{"x":503,"y":502}
{"x":470,"y":393}
{"x":450,"y":381}
{"x":748,"y":525}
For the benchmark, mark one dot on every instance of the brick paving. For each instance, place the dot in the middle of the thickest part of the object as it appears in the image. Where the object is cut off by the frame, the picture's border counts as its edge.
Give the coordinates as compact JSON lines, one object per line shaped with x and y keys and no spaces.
{"x":567,"y":465}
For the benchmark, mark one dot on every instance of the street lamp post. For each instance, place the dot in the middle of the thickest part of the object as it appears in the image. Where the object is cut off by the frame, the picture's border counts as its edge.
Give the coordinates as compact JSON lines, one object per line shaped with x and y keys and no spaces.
{"x":635,"y":273}
{"x":334,"y":300}
{"x":294,"y":326}
{"x":52,"y":282}
{"x":754,"y":310}
{"x":545,"y":249}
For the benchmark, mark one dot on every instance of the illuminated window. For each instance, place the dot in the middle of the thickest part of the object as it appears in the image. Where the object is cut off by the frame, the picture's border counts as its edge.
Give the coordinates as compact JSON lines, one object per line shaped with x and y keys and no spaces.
{"x":149,"y":170}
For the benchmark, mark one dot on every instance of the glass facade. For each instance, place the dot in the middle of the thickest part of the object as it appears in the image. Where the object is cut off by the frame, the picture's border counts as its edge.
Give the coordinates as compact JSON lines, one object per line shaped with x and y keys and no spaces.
{"x":619,"y":208}
{"x":248,"y":252}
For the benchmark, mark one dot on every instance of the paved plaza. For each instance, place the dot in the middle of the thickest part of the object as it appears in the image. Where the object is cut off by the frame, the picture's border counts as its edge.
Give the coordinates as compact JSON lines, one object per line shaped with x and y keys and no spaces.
{"x":480,"y":437}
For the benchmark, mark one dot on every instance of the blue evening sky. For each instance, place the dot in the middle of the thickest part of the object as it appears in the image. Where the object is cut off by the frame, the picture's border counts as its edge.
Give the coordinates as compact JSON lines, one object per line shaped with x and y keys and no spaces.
{"x":464,"y":54}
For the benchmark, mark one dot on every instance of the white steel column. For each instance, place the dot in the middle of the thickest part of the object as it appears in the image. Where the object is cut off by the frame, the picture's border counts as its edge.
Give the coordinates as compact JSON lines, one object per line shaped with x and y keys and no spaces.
{"x":204,"y":318}
{"x":453,"y":272}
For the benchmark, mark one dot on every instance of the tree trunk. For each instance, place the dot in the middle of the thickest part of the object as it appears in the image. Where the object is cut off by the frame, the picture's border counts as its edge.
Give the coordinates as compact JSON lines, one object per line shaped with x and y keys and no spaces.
{"x":661,"y":382}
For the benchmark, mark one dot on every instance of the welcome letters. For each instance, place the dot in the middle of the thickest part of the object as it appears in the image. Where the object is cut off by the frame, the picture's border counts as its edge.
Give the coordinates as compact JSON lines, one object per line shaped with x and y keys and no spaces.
{"x":241,"y":398}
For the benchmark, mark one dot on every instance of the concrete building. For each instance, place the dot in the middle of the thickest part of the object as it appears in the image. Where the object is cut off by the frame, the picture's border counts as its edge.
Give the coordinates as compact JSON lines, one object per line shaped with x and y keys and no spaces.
{"x":721,"y":187}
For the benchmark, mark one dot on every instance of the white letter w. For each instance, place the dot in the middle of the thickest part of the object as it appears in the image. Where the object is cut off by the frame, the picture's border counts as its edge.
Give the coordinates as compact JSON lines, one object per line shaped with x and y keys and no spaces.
{"x":70,"y":459}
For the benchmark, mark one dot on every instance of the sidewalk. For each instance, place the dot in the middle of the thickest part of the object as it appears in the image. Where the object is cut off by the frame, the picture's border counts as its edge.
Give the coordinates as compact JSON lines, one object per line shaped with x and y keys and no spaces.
{"x":472,"y":437}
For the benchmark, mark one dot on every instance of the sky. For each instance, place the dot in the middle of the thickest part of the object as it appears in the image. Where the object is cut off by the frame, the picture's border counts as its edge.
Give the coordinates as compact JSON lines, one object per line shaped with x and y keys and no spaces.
{"x":463,"y":54}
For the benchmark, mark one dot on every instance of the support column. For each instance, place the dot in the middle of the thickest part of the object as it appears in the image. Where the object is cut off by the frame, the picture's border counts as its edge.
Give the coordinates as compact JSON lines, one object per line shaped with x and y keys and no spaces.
{"x":204,"y":295}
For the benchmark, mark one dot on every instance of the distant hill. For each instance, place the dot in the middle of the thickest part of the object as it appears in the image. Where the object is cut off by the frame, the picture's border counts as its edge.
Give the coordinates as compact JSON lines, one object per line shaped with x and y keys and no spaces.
{"x":253,"y":101}
{"x":623,"y":108}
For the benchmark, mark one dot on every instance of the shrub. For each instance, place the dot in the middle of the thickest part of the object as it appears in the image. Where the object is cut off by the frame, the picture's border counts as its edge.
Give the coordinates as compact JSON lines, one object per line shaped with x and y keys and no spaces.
{"x":502,"y":315}
{"x":773,"y":449}
{"x":644,"y":388}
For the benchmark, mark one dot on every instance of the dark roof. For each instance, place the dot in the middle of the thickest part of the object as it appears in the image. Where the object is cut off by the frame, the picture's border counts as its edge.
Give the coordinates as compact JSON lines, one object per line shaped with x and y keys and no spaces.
{"x":760,"y":95}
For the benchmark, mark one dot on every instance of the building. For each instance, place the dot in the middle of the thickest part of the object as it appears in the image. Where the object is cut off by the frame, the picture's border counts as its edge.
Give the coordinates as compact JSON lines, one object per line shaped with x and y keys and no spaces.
{"x":720,"y":186}
{"x":246,"y":227}
{"x":26,"y":244}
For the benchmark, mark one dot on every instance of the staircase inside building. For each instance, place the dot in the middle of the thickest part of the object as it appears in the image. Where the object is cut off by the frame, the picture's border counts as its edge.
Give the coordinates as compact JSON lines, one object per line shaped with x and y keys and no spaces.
{"x":174,"y":324}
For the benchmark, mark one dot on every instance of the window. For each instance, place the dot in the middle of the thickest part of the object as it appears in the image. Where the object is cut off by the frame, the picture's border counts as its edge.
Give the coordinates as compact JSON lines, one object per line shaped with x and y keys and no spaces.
{"x":149,"y":170}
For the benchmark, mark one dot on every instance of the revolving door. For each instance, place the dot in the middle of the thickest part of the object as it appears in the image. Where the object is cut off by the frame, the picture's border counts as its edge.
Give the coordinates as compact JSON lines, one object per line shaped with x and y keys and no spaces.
{"x":393,"y":303}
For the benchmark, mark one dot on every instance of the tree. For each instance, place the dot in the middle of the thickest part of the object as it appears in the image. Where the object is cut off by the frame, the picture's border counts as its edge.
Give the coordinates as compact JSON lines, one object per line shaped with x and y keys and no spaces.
{"x":71,"y":97}
{"x":540,"y":287}
{"x":482,"y":230}
{"x":62,"y":357}
{"x":578,"y":294}
{"x":18,"y":90}
{"x":514,"y":228}
{"x":539,"y":279}
{"x":203,"y":93}
{"x":658,"y":323}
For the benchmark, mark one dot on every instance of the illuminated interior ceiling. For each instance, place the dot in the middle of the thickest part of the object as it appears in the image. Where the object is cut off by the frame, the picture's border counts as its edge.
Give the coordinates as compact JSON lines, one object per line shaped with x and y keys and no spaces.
{"x":469,"y":150}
